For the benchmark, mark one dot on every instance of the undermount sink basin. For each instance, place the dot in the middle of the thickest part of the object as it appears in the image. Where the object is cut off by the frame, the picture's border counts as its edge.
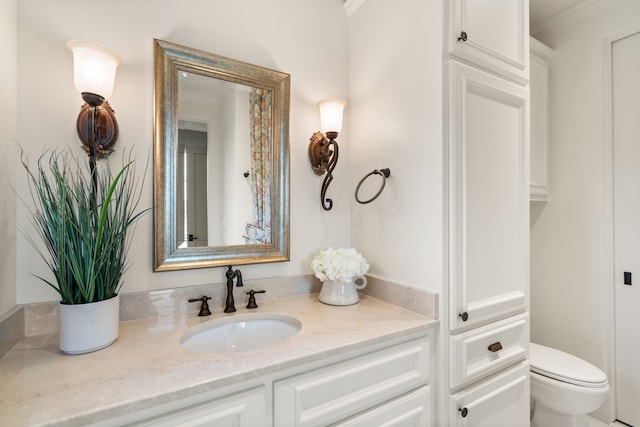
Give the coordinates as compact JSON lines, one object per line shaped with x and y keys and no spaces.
{"x":240,"y":332}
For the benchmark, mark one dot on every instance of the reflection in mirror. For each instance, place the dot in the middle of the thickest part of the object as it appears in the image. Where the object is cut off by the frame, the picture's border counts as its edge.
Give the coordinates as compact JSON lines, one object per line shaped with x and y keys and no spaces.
{"x":221,"y":161}
{"x":214,"y":198}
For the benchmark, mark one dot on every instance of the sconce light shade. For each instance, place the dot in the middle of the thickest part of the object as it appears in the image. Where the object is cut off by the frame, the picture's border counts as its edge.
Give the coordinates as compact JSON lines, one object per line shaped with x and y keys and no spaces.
{"x":94,"y":74}
{"x":331,"y":115}
{"x":94,"y":68}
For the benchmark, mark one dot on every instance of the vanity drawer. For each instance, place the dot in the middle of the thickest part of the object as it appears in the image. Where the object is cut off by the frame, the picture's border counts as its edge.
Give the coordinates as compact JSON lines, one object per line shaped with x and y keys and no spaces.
{"x":411,"y":409}
{"x":502,"y":400}
{"x":245,"y":409}
{"x":485,"y":350}
{"x":331,"y":394}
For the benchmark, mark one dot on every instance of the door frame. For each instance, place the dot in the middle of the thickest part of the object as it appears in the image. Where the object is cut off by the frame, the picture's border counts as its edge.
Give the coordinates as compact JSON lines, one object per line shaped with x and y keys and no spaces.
{"x":609,"y":231}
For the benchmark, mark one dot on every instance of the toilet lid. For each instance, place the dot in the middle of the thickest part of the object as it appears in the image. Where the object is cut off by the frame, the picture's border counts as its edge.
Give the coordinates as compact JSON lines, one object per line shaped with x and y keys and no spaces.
{"x":564,"y":367}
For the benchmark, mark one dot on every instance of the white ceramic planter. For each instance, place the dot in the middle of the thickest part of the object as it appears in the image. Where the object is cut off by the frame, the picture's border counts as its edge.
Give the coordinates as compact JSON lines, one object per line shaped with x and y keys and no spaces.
{"x":84,"y":328}
{"x":341,"y":292}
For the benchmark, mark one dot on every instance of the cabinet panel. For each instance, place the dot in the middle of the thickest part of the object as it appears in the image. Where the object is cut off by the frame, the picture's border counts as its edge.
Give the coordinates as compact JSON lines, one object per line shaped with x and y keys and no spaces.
{"x":496,"y":35}
{"x":328,"y":395}
{"x":539,"y":86}
{"x":489,"y":196}
{"x":501,"y":401}
{"x":240,"y":410}
{"x":485,"y":350}
{"x":410,"y":410}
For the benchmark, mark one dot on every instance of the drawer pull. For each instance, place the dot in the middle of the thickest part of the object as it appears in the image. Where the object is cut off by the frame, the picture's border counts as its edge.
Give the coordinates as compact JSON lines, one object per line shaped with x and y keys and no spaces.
{"x":463,"y":37}
{"x":463,"y":412}
{"x":496,"y":346}
{"x":464,"y":316}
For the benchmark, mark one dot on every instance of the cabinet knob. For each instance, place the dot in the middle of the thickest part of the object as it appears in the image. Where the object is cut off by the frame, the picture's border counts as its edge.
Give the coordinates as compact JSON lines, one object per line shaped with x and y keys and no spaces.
{"x":463,"y":36}
{"x":496,"y":346}
{"x":464,"y":316}
{"x":463,"y":412}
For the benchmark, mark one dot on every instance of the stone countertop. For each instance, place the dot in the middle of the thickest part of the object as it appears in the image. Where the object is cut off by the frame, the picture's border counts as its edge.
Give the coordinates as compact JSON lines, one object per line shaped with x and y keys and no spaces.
{"x":146,"y":366}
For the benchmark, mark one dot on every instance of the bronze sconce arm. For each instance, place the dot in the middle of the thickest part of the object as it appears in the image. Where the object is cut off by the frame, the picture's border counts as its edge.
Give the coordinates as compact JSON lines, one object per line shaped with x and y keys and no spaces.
{"x":323,"y":148}
{"x":323,"y":155}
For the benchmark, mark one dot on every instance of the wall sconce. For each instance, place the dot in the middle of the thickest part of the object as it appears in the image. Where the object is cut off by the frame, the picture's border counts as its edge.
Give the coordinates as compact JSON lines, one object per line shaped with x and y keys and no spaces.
{"x":94,"y":73}
{"x":323,"y":148}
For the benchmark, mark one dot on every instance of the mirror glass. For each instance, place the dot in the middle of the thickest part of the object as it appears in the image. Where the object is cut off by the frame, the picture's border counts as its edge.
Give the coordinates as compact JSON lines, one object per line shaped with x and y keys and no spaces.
{"x":221,"y":160}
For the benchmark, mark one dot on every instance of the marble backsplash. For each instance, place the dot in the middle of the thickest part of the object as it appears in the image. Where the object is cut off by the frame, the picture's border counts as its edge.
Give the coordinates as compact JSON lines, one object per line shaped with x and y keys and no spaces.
{"x":12,"y":328}
{"x":41,"y":318}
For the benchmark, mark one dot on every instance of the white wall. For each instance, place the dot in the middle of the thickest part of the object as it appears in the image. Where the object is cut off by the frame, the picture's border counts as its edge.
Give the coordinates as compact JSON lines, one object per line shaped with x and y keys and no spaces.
{"x":568,"y":283}
{"x":303,"y":38}
{"x":8,"y":148}
{"x":395,"y":94}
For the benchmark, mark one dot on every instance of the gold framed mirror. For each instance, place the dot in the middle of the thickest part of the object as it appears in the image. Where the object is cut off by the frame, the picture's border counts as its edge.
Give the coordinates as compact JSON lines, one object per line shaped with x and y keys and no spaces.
{"x":221,"y":160}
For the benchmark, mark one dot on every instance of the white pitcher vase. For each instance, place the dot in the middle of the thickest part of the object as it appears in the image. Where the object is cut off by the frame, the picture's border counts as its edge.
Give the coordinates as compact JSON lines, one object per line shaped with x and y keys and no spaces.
{"x":342,"y":292}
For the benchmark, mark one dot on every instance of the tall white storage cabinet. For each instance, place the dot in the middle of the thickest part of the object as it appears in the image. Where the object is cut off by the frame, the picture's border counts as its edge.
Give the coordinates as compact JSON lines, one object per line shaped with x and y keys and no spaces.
{"x":487,"y":106}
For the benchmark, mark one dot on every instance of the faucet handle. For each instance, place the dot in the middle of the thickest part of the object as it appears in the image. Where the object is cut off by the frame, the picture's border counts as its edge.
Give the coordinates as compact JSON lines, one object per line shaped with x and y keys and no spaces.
{"x":204,"y":308}
{"x":252,"y":298}
{"x":239,"y":283}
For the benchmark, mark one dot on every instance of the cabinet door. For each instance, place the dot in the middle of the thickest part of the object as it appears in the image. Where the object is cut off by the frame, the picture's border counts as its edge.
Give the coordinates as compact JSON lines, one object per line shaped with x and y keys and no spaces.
{"x":501,"y":401}
{"x":410,"y":410}
{"x":327,"y":395}
{"x":488,"y":197}
{"x":247,"y":409}
{"x":492,"y":34}
{"x":539,"y":87}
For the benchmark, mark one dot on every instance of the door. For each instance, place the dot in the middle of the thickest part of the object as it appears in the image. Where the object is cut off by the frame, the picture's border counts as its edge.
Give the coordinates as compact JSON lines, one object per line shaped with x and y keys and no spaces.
{"x":626,"y":177}
{"x":191,"y":189}
{"x":488,"y":197}
{"x":197,"y":187}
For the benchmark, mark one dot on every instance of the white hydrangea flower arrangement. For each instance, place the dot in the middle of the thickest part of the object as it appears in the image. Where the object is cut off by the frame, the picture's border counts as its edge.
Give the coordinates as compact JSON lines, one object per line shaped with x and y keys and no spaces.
{"x":342,"y":264}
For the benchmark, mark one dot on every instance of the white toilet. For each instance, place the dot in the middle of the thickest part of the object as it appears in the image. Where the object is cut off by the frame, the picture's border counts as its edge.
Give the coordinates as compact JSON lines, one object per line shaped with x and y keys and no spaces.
{"x":564,"y":388}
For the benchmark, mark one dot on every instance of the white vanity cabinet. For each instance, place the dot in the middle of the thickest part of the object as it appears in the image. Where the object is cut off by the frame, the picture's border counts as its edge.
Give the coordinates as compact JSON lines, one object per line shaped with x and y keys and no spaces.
{"x":388,"y":382}
{"x":492,"y":34}
{"x":488,"y":196}
{"x":539,"y":69}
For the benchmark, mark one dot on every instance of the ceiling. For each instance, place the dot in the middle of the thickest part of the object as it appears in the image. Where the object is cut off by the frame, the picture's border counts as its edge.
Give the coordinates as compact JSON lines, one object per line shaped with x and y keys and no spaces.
{"x":544,"y":13}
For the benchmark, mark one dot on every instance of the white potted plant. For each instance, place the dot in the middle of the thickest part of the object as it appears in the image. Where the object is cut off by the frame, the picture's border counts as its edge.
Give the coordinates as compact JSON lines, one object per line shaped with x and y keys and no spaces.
{"x":84,"y":226}
{"x":339,"y":269}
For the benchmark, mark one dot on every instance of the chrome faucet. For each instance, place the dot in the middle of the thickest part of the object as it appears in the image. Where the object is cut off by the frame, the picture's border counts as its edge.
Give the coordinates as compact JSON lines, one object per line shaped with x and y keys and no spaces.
{"x":230,"y":303}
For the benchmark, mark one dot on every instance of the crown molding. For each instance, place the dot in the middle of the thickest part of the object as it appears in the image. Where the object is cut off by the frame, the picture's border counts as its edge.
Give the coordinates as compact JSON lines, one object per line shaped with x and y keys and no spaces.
{"x":568,"y":16}
{"x":350,"y":6}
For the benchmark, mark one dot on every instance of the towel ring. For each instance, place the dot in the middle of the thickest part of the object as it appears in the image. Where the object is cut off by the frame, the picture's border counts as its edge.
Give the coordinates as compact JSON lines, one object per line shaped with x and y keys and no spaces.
{"x":384,"y":173}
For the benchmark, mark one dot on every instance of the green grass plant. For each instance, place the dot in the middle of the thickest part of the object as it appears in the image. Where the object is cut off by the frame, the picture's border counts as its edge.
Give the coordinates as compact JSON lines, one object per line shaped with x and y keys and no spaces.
{"x":85,"y":229}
